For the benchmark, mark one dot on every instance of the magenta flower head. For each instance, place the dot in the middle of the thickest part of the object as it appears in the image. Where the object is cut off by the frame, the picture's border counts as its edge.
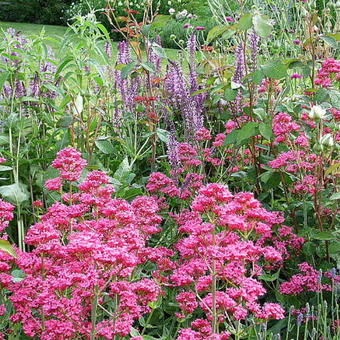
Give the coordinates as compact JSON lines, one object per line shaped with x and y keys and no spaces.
{"x":297,"y":42}
{"x":229,"y":19}
{"x":3,"y":160}
{"x":199,"y":28}
{"x":187,"y":26}
{"x":296,"y":76}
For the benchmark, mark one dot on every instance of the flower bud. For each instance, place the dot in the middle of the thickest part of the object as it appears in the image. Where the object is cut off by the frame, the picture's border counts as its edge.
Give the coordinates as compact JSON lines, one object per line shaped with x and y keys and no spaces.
{"x":327,"y":140}
{"x":317,"y":112}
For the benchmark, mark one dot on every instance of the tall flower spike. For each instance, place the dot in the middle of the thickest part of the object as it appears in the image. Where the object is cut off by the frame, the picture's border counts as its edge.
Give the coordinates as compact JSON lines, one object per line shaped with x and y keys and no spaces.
{"x":254,"y":48}
{"x":173,"y":155}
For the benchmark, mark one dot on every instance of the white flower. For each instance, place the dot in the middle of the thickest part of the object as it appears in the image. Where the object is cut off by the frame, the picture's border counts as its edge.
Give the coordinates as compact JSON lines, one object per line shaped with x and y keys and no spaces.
{"x":172,"y":11}
{"x":317,"y":112}
{"x":327,"y":140}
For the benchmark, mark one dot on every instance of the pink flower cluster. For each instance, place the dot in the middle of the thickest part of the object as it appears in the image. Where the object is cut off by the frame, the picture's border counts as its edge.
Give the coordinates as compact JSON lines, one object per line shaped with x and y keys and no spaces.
{"x":283,"y":125}
{"x":219,"y":246}
{"x":79,"y":279}
{"x":162,"y":184}
{"x":6,"y":214}
{"x":329,"y":73}
{"x":309,"y":280}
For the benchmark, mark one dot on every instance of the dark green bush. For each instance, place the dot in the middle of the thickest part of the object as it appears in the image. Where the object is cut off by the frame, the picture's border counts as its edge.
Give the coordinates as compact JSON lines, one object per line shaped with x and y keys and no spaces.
{"x":34,"y":11}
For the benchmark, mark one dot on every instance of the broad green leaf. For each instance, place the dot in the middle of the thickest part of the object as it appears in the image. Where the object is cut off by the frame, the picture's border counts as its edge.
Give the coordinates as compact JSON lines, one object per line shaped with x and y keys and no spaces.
{"x":334,"y":248}
{"x":269,"y":278}
{"x":78,"y":105}
{"x":7,"y":247}
{"x":15,"y":193}
{"x":127,"y":69}
{"x":321,"y":96}
{"x":230,"y":94}
{"x":5,"y":168}
{"x":149,"y":67}
{"x":105,"y":146}
{"x":231,"y":138}
{"x":134,"y":332}
{"x":330,"y":40}
{"x":163,"y":135}
{"x":335,"y":98}
{"x":216,"y":32}
{"x":159,"y":51}
{"x":335,"y":36}
{"x":17,"y":275}
{"x":123,"y":174}
{"x":245,"y":22}
{"x":275,"y":70}
{"x":262,"y":25}
{"x":323,"y":236}
{"x":247,"y":130}
{"x":333,"y":169}
{"x":335,"y":196}
{"x":266,"y":130}
{"x":258,"y":76}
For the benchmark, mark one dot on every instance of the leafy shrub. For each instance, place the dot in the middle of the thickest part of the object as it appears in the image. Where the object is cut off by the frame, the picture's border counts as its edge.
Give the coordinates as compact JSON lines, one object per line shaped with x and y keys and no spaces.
{"x":34,"y":11}
{"x":174,"y":33}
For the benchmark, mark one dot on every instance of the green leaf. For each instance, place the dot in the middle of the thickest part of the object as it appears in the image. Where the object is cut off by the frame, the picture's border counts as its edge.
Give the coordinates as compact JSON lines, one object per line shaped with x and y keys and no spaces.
{"x":269,"y":278}
{"x":65,"y":121}
{"x":321,"y":96}
{"x":105,"y":146}
{"x":149,"y":67}
{"x":7,"y":247}
{"x":266,"y":130}
{"x":258,"y":76}
{"x":230,"y":94}
{"x":127,"y":69}
{"x":333,"y":169}
{"x":78,"y":105}
{"x":66,"y":61}
{"x":334,"y":248}
{"x":245,"y":22}
{"x":330,"y":41}
{"x":163,"y":135}
{"x":247,"y":130}
{"x":323,"y":236}
{"x":335,"y":196}
{"x":262,"y":25}
{"x":275,"y":70}
{"x":4,"y":139}
{"x":134,"y":332}
{"x":159,"y":51}
{"x":216,"y":32}
{"x":3,"y":78}
{"x":335,"y":98}
{"x":231,"y":138}
{"x":15,"y":193}
{"x":335,"y":36}
{"x":5,"y":168}
{"x":17,"y":275}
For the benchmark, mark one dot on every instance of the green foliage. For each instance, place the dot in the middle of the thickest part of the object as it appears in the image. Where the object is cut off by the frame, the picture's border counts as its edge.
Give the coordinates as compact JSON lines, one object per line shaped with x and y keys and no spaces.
{"x":34,"y":11}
